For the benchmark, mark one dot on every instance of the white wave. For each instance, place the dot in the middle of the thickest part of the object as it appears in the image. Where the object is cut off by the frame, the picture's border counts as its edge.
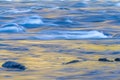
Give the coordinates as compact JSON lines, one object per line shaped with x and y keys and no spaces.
{"x":56,"y":34}
{"x":11,"y":28}
{"x":31,"y":20}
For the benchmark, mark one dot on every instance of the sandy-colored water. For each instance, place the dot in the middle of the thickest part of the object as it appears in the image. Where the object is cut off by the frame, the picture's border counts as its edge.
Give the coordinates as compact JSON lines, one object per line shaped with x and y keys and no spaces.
{"x":44,"y":59}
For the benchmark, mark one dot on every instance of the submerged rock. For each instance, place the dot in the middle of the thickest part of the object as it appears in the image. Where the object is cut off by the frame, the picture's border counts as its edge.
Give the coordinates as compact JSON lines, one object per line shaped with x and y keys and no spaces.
{"x":13,"y":65}
{"x":11,"y":28}
{"x":73,"y":61}
{"x":117,"y":59}
{"x":104,"y":60}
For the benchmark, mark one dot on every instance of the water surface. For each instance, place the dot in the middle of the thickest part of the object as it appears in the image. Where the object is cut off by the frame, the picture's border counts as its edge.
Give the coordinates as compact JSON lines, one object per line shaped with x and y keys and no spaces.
{"x":43,"y":35}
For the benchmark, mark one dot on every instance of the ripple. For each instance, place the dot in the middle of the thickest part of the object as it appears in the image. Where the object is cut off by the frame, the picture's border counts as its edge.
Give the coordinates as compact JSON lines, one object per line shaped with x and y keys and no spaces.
{"x":79,"y":4}
{"x":64,"y":21}
{"x":16,"y":11}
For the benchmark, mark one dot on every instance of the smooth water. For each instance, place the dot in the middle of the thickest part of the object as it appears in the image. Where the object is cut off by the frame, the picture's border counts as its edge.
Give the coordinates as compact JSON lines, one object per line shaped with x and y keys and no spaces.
{"x":43,"y":35}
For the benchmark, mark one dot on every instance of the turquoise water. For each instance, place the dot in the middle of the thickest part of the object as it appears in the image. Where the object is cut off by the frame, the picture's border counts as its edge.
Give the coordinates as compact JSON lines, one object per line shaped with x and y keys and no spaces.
{"x":43,"y":35}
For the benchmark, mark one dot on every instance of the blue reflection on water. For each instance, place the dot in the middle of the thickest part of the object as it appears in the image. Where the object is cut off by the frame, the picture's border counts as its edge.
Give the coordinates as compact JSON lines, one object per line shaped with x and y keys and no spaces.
{"x":33,"y":17}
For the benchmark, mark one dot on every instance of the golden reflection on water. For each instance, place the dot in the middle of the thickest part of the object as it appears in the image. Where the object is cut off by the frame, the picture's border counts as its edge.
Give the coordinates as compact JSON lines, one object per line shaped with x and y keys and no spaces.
{"x":44,"y":63}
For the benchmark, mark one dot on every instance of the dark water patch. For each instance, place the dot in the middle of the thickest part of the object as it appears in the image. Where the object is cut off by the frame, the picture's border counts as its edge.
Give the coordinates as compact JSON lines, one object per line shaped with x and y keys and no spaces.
{"x":18,"y":49}
{"x":109,"y":77}
{"x":34,"y":55}
{"x":15,"y":48}
{"x":6,"y":18}
{"x":115,"y":72}
{"x":99,"y":17}
{"x":72,"y":77}
{"x":86,"y":52}
{"x":64,"y":8}
{"x":115,"y":23}
{"x":116,"y":19}
{"x":63,"y":50}
{"x":95,"y":18}
{"x":70,"y":70}
{"x":79,"y":5}
{"x":106,"y":4}
{"x":47,"y":20}
{"x":86,"y":76}
{"x":105,"y":42}
{"x":94,"y":72}
{"x":5,"y":59}
{"x":2,"y":45}
{"x":80,"y":11}
{"x":48,"y":45}
{"x":7,"y":76}
{"x":115,"y":52}
{"x":109,"y":52}
{"x":112,"y":12}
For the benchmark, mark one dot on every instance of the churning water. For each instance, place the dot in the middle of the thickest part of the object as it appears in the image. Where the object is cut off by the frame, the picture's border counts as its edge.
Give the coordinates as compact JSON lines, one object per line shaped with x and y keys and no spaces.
{"x":45,"y":34}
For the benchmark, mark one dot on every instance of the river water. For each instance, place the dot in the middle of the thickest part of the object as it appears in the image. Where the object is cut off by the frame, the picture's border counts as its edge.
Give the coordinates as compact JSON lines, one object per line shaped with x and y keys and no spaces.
{"x":43,"y":35}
